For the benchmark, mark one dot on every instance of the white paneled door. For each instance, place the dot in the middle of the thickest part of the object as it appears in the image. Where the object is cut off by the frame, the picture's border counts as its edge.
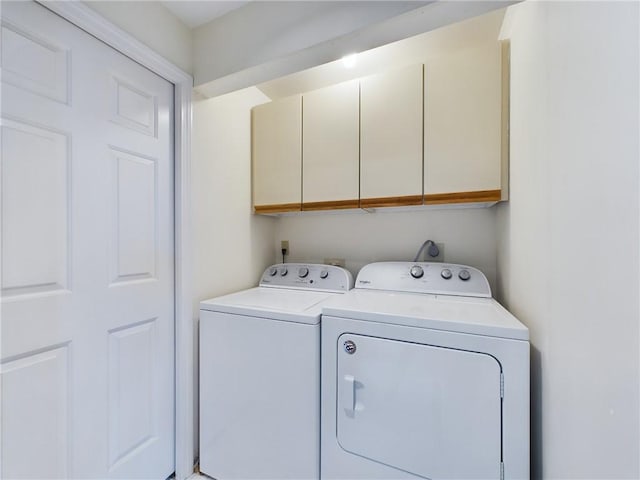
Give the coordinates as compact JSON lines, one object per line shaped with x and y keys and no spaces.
{"x":87,"y":359}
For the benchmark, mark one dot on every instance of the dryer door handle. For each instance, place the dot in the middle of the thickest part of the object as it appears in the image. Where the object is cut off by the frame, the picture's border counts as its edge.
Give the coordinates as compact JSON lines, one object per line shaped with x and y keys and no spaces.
{"x":348,"y":396}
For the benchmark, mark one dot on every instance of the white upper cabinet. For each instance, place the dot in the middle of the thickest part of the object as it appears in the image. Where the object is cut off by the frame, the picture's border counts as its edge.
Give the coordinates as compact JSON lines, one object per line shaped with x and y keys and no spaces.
{"x":391,"y":138}
{"x":424,"y":134}
{"x":463,"y":126}
{"x":277,"y":155}
{"x":330,"y":147}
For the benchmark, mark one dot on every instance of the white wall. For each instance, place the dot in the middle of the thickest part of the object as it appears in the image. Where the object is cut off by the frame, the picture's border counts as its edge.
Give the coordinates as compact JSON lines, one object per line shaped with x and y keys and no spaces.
{"x":568,"y":256}
{"x":152,"y":24}
{"x":361,"y":238}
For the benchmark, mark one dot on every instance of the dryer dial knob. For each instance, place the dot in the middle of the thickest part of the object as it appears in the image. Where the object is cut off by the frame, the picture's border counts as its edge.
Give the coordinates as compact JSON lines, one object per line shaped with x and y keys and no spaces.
{"x":417,"y":271}
{"x":303,"y":272}
{"x":283,"y":271}
{"x":324,"y":274}
{"x":446,"y":274}
{"x":464,"y":275}
{"x":273,"y":271}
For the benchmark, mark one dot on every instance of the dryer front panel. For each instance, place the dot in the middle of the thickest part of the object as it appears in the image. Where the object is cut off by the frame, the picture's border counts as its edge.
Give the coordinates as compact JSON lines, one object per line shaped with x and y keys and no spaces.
{"x":429,"y":411}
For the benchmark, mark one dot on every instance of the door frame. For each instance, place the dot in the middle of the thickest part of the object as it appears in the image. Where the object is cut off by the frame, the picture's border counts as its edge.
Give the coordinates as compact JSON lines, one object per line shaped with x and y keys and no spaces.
{"x":93,"y":23}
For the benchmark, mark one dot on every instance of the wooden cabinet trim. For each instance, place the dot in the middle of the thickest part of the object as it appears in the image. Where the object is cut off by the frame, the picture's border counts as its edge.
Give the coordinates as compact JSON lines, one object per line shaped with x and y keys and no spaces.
{"x":279,"y":208}
{"x":463,"y":197}
{"x":330,"y":205}
{"x":391,"y":201}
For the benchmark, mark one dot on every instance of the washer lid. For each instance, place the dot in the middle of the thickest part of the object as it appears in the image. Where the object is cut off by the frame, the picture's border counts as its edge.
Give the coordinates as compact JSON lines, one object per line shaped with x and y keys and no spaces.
{"x":480,"y":316}
{"x":272,"y":303}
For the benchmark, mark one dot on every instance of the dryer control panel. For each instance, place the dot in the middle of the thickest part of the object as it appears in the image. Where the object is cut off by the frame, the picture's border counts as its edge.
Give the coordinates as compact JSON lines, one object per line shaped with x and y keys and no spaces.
{"x":307,"y":276}
{"x":424,"y":277}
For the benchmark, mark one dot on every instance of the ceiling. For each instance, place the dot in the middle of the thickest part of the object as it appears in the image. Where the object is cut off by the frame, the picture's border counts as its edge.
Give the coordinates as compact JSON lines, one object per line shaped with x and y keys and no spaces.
{"x":194,"y":13}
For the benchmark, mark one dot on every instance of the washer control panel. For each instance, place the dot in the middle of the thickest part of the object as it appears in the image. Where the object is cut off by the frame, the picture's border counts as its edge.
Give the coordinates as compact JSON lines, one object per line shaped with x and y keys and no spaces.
{"x":424,"y":277}
{"x":307,"y":276}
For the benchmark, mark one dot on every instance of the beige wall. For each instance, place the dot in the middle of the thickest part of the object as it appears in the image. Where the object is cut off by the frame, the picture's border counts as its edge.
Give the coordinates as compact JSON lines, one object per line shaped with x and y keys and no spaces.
{"x":361,"y":238}
{"x":232,"y":246}
{"x":568,"y":251}
{"x":263,"y":41}
{"x":153,"y":25}
{"x":242,"y":39}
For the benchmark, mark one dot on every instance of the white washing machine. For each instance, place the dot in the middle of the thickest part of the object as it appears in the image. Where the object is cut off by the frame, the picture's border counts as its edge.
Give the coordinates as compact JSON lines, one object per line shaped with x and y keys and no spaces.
{"x":424,"y":375}
{"x":260,"y":375}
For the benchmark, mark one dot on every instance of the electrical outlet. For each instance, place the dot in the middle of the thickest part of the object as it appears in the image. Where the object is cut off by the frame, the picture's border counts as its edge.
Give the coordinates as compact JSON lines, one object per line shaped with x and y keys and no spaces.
{"x":284,"y":245}
{"x":337,"y":262}
{"x":428,"y":258}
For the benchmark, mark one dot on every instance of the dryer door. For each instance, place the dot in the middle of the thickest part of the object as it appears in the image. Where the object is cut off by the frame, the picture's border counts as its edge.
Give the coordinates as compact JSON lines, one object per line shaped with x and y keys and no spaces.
{"x":430,"y":411}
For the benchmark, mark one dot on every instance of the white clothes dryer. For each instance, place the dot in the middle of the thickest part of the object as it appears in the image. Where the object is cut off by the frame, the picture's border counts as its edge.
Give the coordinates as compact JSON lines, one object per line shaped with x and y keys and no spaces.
{"x":260,"y":375}
{"x":424,"y":375}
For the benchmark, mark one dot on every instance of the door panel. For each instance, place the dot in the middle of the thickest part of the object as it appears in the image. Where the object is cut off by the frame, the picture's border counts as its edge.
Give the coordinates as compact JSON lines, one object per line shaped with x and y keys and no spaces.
{"x":277,"y":153}
{"x":331,"y":146}
{"x":35,"y":214}
{"x":134,"y":108}
{"x":391,"y":134}
{"x":134,"y":230}
{"x":431,"y":411}
{"x":34,"y":63}
{"x":37,"y":383}
{"x":463,"y":121}
{"x":131,"y":392}
{"x":87,"y":256}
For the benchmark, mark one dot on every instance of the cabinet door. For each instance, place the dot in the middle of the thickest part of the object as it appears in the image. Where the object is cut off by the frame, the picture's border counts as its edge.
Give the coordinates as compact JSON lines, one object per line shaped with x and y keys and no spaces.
{"x":330,"y":147}
{"x":391,"y":138}
{"x":463,"y":126}
{"x":276,"y":151}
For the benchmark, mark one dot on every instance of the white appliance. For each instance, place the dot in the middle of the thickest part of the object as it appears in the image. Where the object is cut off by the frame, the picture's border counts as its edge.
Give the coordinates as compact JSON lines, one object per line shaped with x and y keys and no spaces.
{"x":260,"y":375}
{"x":424,"y":375}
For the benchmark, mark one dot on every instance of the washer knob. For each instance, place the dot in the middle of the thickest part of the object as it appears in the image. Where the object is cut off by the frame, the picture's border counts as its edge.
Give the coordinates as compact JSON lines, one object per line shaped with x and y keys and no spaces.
{"x":273,"y":271}
{"x":324,"y":274}
{"x":416,"y":271}
{"x":446,"y":274}
{"x":303,"y":272}
{"x":283,"y":271}
{"x":464,"y":275}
